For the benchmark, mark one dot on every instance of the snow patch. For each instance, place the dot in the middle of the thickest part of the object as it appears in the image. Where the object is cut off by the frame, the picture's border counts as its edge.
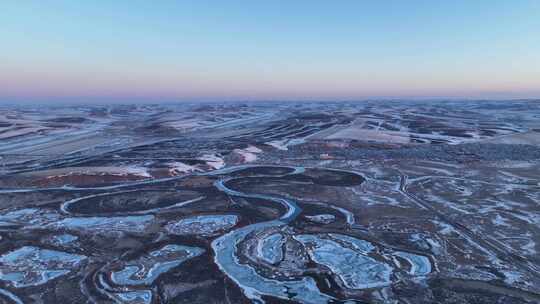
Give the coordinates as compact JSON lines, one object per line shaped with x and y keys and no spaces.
{"x":213,"y":161}
{"x":176,"y":168}
{"x":248,"y":154}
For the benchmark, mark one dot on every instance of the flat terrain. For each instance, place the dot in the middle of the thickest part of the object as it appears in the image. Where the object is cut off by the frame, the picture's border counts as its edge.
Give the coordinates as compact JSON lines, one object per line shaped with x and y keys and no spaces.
{"x":368,"y":202}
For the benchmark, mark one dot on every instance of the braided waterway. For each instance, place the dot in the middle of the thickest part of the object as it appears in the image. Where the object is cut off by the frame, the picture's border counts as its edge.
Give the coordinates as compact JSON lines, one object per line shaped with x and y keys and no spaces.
{"x":347,"y":258}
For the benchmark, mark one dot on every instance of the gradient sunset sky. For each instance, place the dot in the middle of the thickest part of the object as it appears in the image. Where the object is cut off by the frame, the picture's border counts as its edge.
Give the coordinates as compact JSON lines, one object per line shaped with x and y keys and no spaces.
{"x":122,"y":51}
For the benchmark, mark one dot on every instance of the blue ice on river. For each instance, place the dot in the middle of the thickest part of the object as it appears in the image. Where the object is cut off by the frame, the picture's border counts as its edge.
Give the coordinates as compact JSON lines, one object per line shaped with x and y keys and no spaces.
{"x":354,"y":267}
{"x":270,"y":248}
{"x":31,"y":266}
{"x":146,"y":269}
{"x":420,"y":265}
{"x":114,"y":223}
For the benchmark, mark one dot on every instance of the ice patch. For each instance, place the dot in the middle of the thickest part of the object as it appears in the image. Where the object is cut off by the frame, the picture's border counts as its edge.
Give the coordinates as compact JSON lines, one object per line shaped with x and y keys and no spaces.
{"x":31,"y":266}
{"x":205,"y":225}
{"x":355,"y":269}
{"x":362,"y":246}
{"x":270,"y":248}
{"x":63,"y":239}
{"x":134,"y":297}
{"x":512,"y":277}
{"x":146,"y":269}
{"x":447,"y":229}
{"x":420,"y":265}
{"x":500,"y":221}
{"x":104,"y":224}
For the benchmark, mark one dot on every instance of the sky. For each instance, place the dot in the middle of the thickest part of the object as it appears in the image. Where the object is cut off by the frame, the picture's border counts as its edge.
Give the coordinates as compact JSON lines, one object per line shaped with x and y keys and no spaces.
{"x":153,"y":51}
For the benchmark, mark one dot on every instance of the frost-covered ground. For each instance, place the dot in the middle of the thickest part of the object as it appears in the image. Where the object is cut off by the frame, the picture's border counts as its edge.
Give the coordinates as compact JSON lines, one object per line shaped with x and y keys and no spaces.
{"x":373,"y":202}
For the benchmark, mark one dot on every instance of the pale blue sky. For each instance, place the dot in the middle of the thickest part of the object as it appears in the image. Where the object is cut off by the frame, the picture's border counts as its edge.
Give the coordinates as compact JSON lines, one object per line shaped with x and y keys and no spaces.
{"x":213,"y":50}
